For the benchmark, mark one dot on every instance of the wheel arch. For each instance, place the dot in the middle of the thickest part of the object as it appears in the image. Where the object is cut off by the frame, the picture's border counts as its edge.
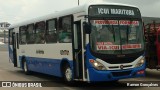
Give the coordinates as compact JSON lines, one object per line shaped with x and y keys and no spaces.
{"x":63,"y":63}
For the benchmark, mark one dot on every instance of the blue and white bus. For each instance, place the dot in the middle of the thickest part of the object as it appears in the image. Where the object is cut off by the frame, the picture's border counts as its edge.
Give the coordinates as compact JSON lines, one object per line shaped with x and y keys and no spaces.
{"x":91,"y":42}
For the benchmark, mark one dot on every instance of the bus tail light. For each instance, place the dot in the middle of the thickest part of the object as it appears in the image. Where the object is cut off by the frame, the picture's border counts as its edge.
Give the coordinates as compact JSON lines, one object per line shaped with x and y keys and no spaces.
{"x":140,"y":72}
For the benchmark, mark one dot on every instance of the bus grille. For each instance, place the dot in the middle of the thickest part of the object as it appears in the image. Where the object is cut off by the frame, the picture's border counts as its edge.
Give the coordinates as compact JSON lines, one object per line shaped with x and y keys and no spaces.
{"x":124,"y":73}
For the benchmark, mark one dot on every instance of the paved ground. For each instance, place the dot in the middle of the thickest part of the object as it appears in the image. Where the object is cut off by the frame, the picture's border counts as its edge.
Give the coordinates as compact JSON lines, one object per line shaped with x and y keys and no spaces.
{"x":3,"y":47}
{"x":9,"y":73}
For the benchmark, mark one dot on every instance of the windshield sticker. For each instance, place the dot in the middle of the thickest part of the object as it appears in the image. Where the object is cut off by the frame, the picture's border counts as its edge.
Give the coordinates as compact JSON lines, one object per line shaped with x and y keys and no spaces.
{"x":125,"y":22}
{"x":116,"y":22}
{"x":106,"y":22}
{"x":131,"y":46}
{"x":104,"y":43}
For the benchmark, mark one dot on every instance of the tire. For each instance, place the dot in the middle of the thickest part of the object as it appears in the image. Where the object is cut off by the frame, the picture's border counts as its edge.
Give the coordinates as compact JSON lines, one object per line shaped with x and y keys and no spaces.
{"x":67,"y":74}
{"x":25,"y":68}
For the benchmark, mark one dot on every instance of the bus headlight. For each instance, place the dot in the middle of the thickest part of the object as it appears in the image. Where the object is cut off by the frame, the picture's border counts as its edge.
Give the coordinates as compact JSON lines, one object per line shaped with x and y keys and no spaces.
{"x":97,"y":65}
{"x":140,"y":62}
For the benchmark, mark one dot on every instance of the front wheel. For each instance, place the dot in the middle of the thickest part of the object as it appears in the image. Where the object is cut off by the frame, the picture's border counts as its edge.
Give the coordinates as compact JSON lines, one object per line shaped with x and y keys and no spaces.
{"x":68,"y":76}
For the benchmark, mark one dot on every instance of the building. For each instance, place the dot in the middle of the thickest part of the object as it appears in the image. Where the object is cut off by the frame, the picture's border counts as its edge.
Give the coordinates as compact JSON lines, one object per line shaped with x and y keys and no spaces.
{"x":4,"y":32}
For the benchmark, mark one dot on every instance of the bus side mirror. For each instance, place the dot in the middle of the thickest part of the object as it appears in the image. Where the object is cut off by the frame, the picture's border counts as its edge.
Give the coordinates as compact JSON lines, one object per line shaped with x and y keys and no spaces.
{"x":86,"y":27}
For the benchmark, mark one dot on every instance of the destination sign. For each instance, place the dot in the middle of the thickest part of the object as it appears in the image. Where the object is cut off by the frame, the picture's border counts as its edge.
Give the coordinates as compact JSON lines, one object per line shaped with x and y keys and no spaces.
{"x":113,"y":11}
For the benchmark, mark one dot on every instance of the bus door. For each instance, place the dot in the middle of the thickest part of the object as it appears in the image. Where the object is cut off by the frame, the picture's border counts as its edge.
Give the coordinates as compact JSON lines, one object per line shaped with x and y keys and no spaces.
{"x":158,"y":48}
{"x":14,"y":49}
{"x":77,"y":51}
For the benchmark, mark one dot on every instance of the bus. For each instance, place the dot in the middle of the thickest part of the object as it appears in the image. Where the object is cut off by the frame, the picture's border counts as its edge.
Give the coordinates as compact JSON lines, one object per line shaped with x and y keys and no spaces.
{"x":92,"y":42}
{"x":152,"y":40}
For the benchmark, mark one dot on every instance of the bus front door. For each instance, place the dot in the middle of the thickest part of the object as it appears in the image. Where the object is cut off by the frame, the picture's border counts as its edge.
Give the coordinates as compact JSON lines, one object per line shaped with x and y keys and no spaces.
{"x":77,"y":51}
{"x":14,"y":49}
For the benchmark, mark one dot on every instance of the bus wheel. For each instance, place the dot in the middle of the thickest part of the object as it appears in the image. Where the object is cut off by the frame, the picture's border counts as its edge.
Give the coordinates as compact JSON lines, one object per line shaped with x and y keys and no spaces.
{"x":67,"y":74}
{"x":25,"y":68}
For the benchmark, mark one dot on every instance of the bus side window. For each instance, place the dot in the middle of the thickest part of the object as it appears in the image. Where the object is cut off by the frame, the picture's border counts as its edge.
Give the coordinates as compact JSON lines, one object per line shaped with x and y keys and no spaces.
{"x":40,"y":32}
{"x":30,"y":34}
{"x":65,"y":28}
{"x":51,"y":32}
{"x":22,"y":37}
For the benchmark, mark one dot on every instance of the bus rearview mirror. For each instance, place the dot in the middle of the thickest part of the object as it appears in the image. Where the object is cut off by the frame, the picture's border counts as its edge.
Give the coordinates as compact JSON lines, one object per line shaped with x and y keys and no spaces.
{"x":86,"y":27}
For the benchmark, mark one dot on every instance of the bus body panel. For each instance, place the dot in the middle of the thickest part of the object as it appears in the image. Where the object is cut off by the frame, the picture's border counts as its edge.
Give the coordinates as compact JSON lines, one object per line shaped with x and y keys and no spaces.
{"x":47,"y":61}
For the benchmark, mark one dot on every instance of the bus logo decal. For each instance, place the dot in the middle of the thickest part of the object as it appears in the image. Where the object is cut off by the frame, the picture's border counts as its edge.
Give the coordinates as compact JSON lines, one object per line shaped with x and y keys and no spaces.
{"x":39,"y":51}
{"x":64,"y":52}
{"x":121,"y":66}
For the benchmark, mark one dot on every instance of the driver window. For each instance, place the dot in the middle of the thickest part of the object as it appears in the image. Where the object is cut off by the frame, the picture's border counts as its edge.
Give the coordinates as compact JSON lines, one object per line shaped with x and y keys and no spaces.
{"x":10,"y":36}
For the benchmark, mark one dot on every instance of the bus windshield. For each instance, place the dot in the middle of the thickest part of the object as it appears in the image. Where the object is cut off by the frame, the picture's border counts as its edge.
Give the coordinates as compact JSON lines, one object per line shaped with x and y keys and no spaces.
{"x":116,"y":36}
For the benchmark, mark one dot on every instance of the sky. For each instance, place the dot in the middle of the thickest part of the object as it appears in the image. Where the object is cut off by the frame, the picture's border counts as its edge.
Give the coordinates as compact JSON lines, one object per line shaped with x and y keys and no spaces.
{"x":14,"y":11}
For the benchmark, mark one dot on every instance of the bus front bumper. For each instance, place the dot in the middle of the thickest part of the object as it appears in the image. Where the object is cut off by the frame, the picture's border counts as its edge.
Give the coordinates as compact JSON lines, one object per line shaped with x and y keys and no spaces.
{"x":111,"y":75}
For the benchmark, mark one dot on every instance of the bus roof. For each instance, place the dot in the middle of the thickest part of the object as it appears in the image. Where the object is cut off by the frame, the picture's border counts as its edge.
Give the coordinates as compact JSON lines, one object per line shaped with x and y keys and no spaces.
{"x":81,"y":8}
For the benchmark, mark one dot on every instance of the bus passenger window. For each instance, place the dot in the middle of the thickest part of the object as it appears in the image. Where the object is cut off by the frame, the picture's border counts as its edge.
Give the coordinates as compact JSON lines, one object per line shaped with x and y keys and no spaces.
{"x":51,"y":33}
{"x":30,"y":34}
{"x":65,"y":35}
{"x":40,"y":33}
{"x":22,"y":32}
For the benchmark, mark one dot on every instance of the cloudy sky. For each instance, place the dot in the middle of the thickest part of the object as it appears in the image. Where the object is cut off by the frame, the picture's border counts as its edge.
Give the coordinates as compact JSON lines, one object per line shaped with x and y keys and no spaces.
{"x":13,"y":11}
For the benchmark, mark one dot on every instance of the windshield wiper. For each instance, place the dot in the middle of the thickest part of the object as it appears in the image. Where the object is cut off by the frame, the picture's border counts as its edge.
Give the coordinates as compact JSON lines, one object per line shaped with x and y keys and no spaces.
{"x":113,"y":33}
{"x":127,"y":33}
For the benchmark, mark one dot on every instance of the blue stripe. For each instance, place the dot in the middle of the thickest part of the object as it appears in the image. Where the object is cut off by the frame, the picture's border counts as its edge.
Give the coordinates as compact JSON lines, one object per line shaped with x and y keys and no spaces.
{"x":45,"y":65}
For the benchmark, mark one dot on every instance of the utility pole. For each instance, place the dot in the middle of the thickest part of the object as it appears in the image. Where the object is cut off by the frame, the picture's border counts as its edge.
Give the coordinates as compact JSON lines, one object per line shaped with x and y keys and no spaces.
{"x":78,"y":2}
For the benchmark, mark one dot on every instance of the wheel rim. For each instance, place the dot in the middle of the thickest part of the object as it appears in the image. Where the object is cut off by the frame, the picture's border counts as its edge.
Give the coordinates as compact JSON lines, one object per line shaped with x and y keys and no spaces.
{"x":25,"y":67}
{"x":68,"y":74}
